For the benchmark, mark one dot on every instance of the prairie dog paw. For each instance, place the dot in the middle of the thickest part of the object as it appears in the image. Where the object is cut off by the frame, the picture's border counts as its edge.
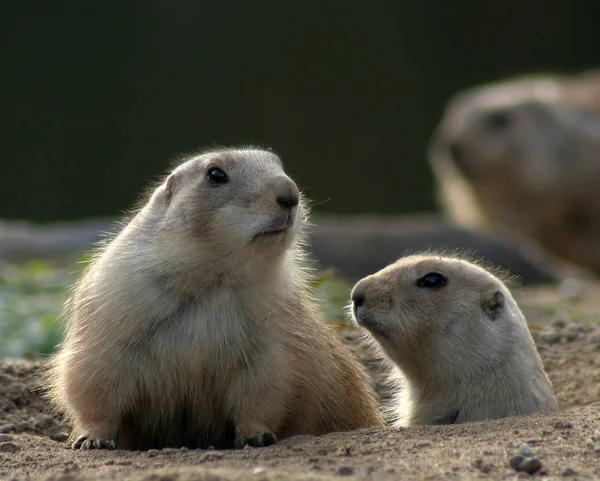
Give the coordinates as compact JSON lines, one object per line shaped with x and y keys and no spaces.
{"x":85,"y":443}
{"x":256,"y":440}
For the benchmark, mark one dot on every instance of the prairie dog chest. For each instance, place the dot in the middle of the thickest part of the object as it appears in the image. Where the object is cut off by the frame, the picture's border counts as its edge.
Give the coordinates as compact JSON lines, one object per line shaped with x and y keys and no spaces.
{"x":217,"y":332}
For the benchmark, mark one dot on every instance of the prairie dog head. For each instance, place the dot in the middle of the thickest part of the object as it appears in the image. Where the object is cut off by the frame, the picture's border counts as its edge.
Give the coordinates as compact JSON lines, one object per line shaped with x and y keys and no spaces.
{"x":431,"y":313}
{"x":516,"y":153}
{"x":519,"y":130}
{"x":230,"y":204}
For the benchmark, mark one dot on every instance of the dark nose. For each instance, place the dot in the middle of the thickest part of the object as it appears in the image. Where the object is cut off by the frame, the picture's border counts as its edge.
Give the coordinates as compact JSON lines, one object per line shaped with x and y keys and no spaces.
{"x":286,"y":193}
{"x":358,"y":298}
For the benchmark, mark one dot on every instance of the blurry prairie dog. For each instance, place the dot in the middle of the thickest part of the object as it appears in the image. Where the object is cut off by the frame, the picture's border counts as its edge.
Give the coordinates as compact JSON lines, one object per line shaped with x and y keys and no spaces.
{"x":524,"y":155}
{"x":195,"y":326}
{"x":460,"y":341}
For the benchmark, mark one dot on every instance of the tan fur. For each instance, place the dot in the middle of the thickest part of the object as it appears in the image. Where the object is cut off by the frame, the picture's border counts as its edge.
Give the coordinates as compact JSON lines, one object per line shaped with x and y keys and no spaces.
{"x":524,"y":155}
{"x":186,"y":330}
{"x":463,"y":350}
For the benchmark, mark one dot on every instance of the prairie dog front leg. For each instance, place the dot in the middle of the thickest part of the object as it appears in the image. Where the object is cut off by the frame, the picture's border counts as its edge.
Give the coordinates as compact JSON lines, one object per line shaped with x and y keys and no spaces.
{"x":257,"y":400}
{"x":96,"y":424}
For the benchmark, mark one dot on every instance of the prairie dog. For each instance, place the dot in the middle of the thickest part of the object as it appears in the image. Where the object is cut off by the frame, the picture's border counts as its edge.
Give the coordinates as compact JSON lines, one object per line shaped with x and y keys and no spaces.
{"x":195,"y":326}
{"x":459,"y":339}
{"x":523,"y":155}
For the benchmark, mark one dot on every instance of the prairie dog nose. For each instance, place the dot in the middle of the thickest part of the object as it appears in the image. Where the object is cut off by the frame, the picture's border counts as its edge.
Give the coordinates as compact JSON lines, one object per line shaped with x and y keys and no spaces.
{"x":286,"y":192}
{"x":358,"y":298}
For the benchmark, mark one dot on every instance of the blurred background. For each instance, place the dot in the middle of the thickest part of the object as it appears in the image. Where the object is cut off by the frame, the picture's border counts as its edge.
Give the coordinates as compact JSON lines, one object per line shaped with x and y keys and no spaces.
{"x":99,"y":97}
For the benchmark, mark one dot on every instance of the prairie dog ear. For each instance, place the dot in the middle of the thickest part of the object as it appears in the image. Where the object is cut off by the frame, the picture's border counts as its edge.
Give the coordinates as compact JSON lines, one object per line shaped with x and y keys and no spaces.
{"x":493,"y":304}
{"x":170,"y":185}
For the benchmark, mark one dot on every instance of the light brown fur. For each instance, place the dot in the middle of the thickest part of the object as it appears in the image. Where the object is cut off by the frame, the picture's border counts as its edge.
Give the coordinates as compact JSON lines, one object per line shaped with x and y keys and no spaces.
{"x":463,"y":350}
{"x":524,"y":155}
{"x":187,"y":330}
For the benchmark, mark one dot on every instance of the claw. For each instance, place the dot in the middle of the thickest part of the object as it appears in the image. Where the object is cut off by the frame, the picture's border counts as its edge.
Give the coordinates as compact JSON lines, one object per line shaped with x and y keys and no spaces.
{"x":264,"y":439}
{"x":84,"y":443}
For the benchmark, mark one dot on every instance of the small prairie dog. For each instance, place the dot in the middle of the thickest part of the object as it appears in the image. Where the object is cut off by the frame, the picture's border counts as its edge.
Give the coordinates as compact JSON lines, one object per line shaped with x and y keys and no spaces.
{"x":458,"y":338}
{"x":195,"y":325}
{"x":523,"y":155}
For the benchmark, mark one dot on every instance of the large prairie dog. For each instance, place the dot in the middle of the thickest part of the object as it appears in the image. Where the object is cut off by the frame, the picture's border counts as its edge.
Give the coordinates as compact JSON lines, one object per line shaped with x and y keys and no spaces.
{"x":460,"y":341}
{"x":524,"y":155}
{"x":195,"y":326}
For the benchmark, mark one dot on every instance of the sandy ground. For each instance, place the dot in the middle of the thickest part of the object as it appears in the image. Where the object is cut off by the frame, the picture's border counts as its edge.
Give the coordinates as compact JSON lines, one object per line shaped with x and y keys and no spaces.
{"x":564,"y":323}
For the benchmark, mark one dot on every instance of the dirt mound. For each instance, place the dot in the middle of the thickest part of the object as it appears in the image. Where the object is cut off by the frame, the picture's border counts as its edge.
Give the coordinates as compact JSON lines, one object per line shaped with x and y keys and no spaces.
{"x":557,"y":445}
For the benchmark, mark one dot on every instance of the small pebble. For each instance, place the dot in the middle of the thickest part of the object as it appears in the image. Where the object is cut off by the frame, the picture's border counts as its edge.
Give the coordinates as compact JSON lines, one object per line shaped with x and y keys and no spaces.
{"x":568,"y":472}
{"x":4,"y":438}
{"x":25,"y":426}
{"x":152,"y":453}
{"x":531,"y":465}
{"x":562,"y":425}
{"x":580,"y":327}
{"x":42,"y":420}
{"x":483,"y":467}
{"x":9,"y":447}
{"x":209,"y":458}
{"x":70,"y":467}
{"x":259,"y":470}
{"x":515,"y":462}
{"x":597,"y":448}
{"x":7,"y":428}
{"x":572,"y":336}
{"x":552,"y":338}
{"x":346,"y":471}
{"x":60,"y":437}
{"x":526,"y":450}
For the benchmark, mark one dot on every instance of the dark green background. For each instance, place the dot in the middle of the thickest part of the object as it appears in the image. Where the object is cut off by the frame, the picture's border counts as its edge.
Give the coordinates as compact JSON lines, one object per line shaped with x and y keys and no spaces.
{"x":97,"y":97}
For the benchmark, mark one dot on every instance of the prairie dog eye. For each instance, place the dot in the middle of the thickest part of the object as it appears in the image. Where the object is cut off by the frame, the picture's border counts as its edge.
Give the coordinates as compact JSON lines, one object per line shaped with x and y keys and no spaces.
{"x":498,"y":121}
{"x":432,"y":280}
{"x":217,"y":176}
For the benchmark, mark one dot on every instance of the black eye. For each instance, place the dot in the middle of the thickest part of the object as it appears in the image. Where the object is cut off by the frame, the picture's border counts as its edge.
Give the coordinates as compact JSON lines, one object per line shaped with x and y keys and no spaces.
{"x":432,"y":280}
{"x":217,"y":176}
{"x":497,"y":121}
